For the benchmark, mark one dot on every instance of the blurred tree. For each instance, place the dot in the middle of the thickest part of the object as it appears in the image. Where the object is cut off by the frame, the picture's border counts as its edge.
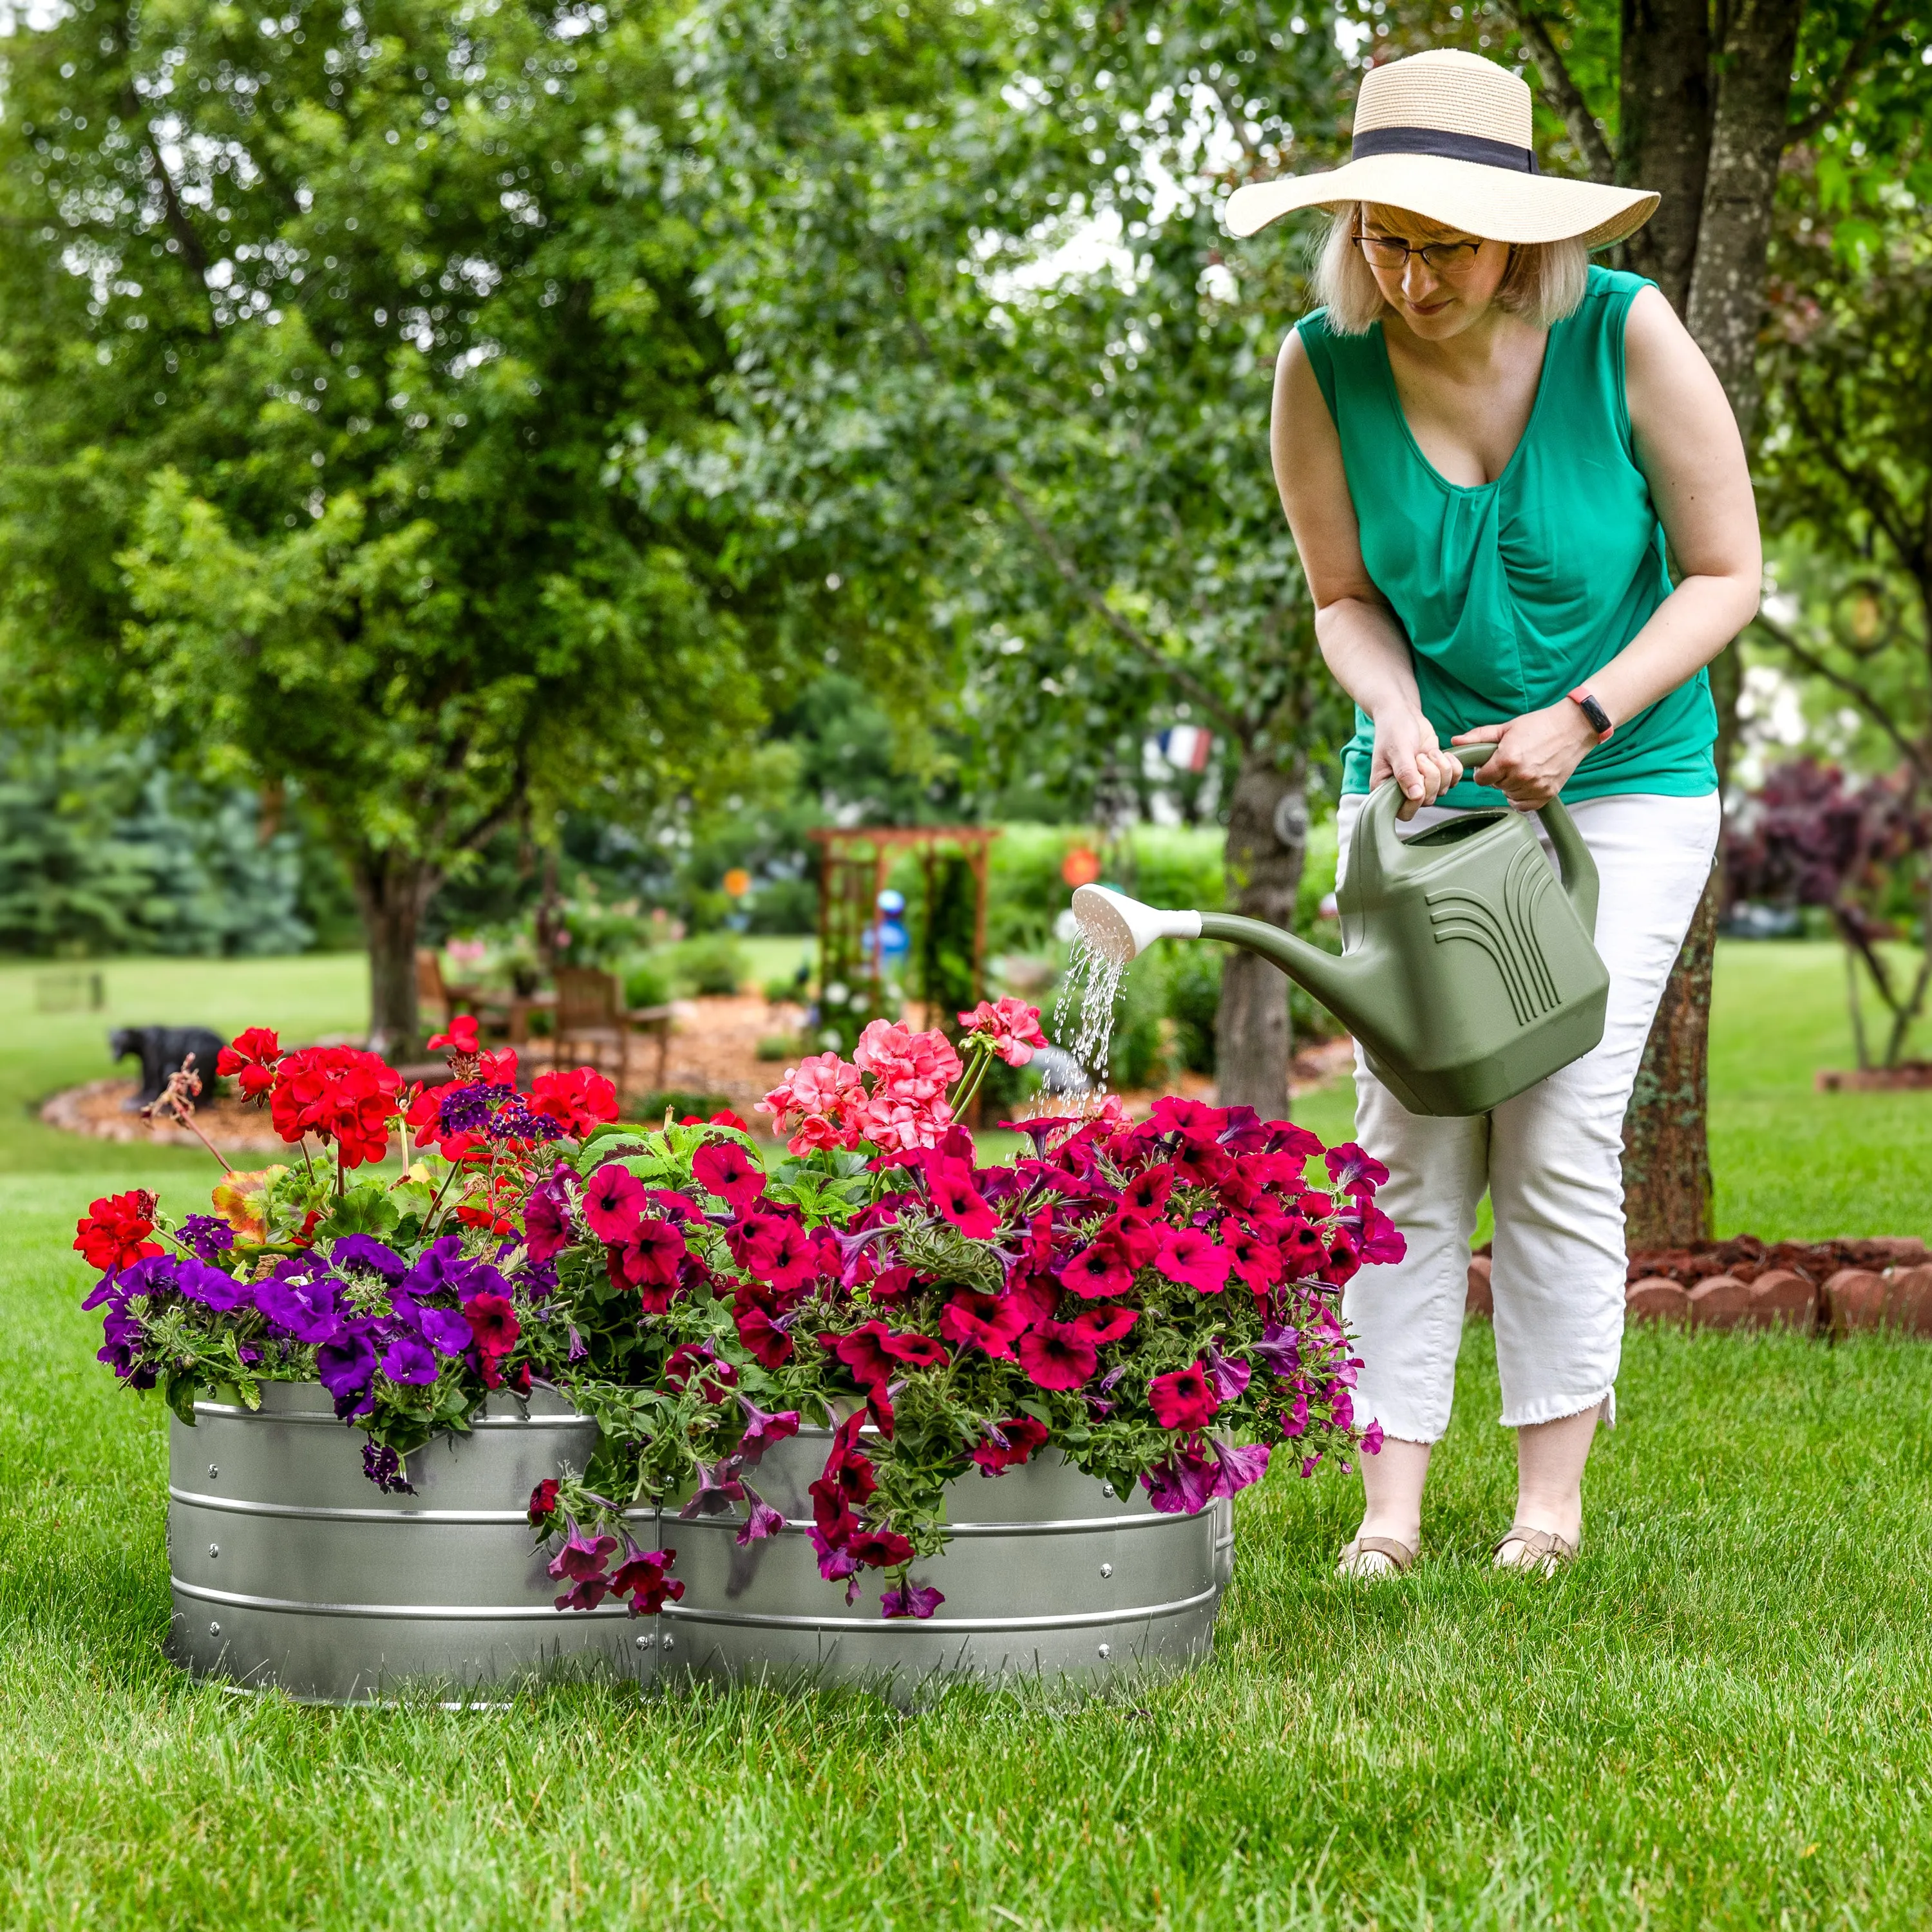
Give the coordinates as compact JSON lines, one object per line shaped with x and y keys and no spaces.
{"x":316,"y":329}
{"x":970,"y":263}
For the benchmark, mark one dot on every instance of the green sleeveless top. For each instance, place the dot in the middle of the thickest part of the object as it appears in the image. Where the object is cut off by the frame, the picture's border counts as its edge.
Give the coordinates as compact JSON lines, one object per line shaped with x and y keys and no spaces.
{"x":1514,"y":592}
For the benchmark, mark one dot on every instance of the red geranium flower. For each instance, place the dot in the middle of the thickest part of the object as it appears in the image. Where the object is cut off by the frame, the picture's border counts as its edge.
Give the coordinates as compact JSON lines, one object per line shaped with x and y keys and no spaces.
{"x":613,"y":1203}
{"x":1023,"y":1435}
{"x":1056,"y":1355}
{"x":113,"y":1233}
{"x":578,"y":1099}
{"x":249,"y":1060}
{"x":726,"y":1170}
{"x":460,"y":1040}
{"x":340,"y":1093}
{"x":1183,"y":1399}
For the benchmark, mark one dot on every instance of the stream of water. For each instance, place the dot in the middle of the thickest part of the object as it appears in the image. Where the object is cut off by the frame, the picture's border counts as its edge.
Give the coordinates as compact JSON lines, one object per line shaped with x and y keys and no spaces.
{"x":1088,"y":995}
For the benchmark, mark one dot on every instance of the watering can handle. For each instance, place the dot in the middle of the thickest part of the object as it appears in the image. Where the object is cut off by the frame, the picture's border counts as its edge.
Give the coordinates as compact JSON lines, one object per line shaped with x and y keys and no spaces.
{"x":1573,"y":861}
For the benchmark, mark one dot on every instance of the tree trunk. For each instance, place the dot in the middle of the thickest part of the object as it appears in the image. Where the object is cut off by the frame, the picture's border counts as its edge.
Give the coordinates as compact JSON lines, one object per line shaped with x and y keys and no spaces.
{"x":1725,"y":307}
{"x":392,"y":892}
{"x":1666,"y":1151}
{"x":1664,"y":133}
{"x":1667,"y":1191}
{"x":1268,"y":838}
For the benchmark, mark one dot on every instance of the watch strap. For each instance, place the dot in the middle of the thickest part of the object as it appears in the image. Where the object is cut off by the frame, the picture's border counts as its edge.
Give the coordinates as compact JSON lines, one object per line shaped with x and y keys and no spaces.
{"x":1600,"y":718}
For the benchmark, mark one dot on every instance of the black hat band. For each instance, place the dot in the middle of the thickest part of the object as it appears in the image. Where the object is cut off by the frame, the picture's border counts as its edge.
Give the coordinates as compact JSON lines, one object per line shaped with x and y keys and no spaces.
{"x":1446,"y":145}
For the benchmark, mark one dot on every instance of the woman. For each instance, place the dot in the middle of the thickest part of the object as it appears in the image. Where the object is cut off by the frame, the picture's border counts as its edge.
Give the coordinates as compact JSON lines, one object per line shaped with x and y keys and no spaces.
{"x":1483,"y":443}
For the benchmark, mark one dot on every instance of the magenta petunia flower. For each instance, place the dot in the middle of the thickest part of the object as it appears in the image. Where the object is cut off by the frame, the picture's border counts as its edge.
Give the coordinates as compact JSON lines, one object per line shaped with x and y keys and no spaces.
{"x":1101,"y":1324}
{"x":725,"y":1169}
{"x":1228,"y":1375}
{"x":1009,"y":1443}
{"x":910,"y":1599}
{"x":1182,"y":1399}
{"x":641,"y":1577}
{"x":1183,"y":1482}
{"x":1146,"y":1192}
{"x":649,"y":1257}
{"x":1056,"y":1355}
{"x":763,"y":1521}
{"x":880,"y":1549}
{"x":1353,"y":1170}
{"x":992,"y":1322}
{"x":1279,"y":1350}
{"x":1239,"y":1466}
{"x":582,"y":1556}
{"x":1097,"y":1273}
{"x":834,"y":1563}
{"x":1194,"y":1259}
{"x":954,"y":1195}
{"x":763,"y":1428}
{"x":718,"y":1488}
{"x":614,"y":1202}
{"x":1372,"y":1439}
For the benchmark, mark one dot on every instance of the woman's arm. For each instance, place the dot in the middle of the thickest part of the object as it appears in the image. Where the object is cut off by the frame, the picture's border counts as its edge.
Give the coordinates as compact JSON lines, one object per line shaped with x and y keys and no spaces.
{"x":1688,"y":447}
{"x":1361,"y":643}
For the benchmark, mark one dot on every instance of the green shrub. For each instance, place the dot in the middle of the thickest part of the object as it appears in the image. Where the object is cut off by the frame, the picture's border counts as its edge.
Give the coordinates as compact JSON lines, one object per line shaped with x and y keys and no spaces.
{"x":650,"y":1107}
{"x":1193,"y":1001}
{"x":714,"y":963}
{"x":789,"y":990}
{"x":779,"y":1046}
{"x":646,"y":983}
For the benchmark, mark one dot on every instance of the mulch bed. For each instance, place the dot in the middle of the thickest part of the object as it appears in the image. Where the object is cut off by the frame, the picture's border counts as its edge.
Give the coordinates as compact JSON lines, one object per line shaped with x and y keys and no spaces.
{"x":99,"y":1109}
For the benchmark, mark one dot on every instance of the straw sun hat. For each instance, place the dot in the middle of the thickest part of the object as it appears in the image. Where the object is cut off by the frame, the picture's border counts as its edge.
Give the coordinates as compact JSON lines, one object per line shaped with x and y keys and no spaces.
{"x":1446,"y":135}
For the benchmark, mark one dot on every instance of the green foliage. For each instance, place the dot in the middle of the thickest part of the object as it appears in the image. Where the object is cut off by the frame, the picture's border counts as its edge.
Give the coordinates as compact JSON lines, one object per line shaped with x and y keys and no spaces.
{"x":714,"y":964}
{"x":308,"y":405}
{"x":101,"y":851}
{"x":647,"y":982}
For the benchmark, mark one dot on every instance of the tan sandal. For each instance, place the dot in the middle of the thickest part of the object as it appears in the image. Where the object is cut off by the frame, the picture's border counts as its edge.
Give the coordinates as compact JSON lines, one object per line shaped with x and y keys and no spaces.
{"x":1368,"y":1556}
{"x":1539,"y":1551}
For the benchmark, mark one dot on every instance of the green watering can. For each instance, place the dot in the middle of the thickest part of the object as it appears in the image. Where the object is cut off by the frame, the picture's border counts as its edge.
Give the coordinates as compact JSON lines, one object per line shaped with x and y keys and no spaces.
{"x":1465,"y":973}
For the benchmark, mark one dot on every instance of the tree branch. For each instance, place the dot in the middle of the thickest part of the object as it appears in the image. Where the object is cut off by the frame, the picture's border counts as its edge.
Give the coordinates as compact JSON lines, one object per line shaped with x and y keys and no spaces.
{"x":1913,"y":754}
{"x":1878,"y":22}
{"x":1563,"y":93}
{"x":1130,"y":633}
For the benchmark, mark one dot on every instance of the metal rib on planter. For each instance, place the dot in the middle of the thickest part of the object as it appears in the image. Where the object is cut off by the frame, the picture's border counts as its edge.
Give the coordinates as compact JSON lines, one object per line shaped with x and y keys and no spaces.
{"x":291,"y":1569}
{"x":1048,"y":1574}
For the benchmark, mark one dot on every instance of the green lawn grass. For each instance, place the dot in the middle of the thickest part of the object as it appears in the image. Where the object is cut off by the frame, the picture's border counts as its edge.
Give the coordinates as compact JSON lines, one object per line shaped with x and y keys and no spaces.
{"x":1723,"y":1717}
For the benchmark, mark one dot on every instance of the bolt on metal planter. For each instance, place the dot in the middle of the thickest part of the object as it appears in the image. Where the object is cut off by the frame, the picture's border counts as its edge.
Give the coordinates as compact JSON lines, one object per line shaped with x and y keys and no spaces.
{"x":291,"y":1569}
{"x":1048,"y":1575}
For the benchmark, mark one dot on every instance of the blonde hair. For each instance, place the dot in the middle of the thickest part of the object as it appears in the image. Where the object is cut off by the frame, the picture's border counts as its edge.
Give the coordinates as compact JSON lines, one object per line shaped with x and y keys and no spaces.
{"x":1543,"y":283}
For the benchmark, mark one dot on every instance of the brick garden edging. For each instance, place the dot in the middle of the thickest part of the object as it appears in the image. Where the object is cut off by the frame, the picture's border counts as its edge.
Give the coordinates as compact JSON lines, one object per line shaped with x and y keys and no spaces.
{"x":1833,"y":1287}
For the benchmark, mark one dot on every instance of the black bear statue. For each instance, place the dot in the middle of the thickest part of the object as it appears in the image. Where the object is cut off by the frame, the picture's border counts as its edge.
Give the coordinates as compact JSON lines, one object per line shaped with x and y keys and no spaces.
{"x":162,"y":1050}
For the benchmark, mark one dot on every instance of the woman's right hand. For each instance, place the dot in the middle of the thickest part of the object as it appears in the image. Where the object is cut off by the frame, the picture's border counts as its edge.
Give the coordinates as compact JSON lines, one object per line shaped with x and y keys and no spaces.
{"x":1407,"y":751}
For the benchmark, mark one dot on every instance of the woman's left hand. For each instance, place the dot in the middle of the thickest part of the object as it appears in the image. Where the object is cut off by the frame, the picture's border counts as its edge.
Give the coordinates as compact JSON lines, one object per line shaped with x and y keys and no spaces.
{"x":1535,"y":753}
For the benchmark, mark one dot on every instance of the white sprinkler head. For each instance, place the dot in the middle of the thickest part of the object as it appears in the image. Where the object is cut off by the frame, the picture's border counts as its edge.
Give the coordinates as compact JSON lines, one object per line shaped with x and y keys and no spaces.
{"x":1121,"y":928}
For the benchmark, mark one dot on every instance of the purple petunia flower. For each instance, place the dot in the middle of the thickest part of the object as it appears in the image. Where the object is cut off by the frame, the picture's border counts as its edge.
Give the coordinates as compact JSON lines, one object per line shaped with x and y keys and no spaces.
{"x":305,"y":1309}
{"x":214,"y":1288}
{"x":1279,"y":1349}
{"x":209,"y":1235}
{"x":442,"y":1264}
{"x":384,"y":1467}
{"x":1239,"y":1467}
{"x":1181,"y":1482}
{"x":910,"y":1599}
{"x":347,"y":1366}
{"x":1229,"y":1376}
{"x":407,"y":1359}
{"x":367,"y":1256}
{"x":444,"y":1329}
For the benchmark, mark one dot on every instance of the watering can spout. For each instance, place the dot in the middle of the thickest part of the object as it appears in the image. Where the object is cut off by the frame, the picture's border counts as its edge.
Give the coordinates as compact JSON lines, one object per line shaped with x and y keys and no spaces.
{"x":1119,"y":928}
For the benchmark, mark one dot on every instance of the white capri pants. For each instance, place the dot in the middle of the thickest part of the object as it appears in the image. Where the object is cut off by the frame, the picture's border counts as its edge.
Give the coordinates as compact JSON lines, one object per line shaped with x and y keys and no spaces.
{"x":1551,"y":1158}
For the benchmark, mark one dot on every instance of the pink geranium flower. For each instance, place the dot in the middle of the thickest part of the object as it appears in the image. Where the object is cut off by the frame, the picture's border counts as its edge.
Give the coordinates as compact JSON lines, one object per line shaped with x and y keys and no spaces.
{"x":1011,"y":1025}
{"x":907,"y":1066}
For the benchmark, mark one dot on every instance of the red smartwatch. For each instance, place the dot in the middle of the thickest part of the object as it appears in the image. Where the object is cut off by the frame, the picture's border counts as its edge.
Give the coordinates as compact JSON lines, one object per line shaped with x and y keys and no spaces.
{"x":1600,"y":718}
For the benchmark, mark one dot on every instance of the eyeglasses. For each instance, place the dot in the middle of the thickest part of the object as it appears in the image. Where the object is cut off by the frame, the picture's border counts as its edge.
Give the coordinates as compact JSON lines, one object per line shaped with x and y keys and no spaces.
{"x":1440,"y":258}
